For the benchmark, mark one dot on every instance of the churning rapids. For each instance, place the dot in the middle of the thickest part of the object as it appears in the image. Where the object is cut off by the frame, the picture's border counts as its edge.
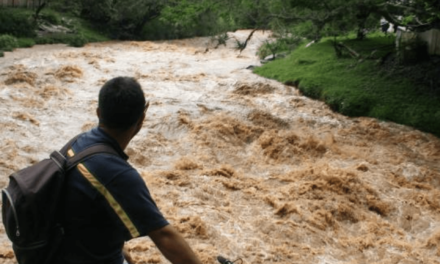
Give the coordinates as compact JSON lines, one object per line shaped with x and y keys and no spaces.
{"x":243,"y":166}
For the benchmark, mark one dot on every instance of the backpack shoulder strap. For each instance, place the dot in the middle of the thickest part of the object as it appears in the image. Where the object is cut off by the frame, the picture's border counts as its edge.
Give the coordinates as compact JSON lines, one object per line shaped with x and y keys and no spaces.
{"x":69,"y":144}
{"x":90,"y":151}
{"x":59,"y":157}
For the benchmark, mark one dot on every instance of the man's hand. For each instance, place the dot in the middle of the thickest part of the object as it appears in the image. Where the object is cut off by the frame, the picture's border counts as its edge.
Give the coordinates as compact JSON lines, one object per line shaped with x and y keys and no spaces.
{"x":173,"y":246}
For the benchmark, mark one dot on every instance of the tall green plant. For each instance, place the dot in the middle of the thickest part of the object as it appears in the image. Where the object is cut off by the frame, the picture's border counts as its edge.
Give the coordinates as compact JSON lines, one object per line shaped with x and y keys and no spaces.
{"x":17,"y":22}
{"x":122,"y":18}
{"x":197,"y":17}
{"x":8,"y":43}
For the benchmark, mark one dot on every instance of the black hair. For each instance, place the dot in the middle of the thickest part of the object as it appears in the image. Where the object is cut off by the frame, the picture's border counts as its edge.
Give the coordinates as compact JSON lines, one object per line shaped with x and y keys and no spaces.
{"x":121,"y":102}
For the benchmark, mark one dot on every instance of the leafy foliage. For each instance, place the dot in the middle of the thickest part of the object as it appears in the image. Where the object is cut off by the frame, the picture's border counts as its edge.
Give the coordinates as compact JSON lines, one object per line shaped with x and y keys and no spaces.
{"x":8,"y":43}
{"x":25,"y":42}
{"x":51,"y":17}
{"x":221,"y":39}
{"x":283,"y":44}
{"x":124,"y":19}
{"x":74,"y":40}
{"x":416,"y":14}
{"x":17,"y":22}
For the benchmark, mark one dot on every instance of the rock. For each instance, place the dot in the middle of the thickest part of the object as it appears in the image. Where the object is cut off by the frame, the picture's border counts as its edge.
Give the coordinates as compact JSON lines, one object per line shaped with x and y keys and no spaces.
{"x":310,"y":44}
{"x":55,"y":29}
{"x":270,"y":57}
{"x":273,"y":57}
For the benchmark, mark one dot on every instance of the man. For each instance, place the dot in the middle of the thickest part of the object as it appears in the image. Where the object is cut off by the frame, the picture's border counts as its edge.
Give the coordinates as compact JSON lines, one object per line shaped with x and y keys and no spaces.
{"x":106,"y":200}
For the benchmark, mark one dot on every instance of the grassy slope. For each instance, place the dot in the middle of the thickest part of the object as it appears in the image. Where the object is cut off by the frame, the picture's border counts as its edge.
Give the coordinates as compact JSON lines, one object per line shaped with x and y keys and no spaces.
{"x":357,"y":89}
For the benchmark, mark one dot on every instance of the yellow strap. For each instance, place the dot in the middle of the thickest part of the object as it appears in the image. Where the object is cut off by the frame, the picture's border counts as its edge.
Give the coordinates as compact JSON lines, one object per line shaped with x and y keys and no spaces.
{"x":108,"y":196}
{"x":110,"y":199}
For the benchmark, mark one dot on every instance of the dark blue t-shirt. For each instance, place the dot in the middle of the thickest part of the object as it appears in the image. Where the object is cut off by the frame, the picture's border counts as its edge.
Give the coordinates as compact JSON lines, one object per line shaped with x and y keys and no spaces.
{"x":106,"y":203}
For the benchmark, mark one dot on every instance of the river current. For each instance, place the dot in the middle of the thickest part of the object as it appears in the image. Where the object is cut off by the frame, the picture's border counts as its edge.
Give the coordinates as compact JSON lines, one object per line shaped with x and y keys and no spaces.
{"x":242,"y":166}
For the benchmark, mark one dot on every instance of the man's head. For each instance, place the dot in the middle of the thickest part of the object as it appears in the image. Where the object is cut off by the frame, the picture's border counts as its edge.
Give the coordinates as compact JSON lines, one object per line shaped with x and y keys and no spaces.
{"x":121,"y":103}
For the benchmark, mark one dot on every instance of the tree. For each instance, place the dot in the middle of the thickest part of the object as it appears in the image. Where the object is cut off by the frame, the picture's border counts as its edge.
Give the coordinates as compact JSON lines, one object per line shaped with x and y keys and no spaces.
{"x":124,"y":18}
{"x":415,"y":15}
{"x":40,"y":5}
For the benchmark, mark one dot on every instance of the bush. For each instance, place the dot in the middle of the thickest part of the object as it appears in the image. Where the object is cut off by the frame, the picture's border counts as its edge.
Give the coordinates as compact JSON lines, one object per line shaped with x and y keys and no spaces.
{"x":8,"y":43}
{"x":156,"y":30}
{"x":17,"y":22}
{"x":51,"y":17}
{"x":25,"y":42}
{"x":280,"y":45}
{"x":221,"y":39}
{"x":44,"y":40}
{"x":268,"y":48}
{"x":70,"y":7}
{"x":71,"y":40}
{"x":77,"y":41}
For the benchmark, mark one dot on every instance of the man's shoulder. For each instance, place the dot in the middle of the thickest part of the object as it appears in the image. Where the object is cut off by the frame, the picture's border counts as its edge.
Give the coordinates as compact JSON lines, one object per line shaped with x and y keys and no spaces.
{"x":105,"y":163}
{"x":95,"y":137}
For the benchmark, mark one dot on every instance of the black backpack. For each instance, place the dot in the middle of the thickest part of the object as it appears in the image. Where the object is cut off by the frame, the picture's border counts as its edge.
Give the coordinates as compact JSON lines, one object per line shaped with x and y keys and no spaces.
{"x":30,"y":202}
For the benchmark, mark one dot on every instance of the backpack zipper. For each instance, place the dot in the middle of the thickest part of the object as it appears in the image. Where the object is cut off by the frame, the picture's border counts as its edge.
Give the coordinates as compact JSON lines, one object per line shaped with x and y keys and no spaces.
{"x":17,"y":233}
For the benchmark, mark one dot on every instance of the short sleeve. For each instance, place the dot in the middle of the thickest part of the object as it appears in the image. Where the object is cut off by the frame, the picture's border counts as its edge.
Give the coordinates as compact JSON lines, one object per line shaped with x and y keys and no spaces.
{"x":130,"y":199}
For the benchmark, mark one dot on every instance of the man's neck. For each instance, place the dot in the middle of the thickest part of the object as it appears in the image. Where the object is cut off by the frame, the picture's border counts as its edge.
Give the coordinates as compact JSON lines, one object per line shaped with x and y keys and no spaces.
{"x":122,"y":137}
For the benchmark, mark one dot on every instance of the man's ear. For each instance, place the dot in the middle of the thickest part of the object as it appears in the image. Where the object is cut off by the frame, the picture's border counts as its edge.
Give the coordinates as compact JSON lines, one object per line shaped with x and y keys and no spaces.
{"x":139,"y":124}
{"x":141,"y":119}
{"x":98,"y":113}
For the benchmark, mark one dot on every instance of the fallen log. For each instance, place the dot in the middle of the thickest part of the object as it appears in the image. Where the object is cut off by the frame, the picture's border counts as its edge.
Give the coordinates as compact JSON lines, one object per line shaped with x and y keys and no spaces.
{"x":351,"y":51}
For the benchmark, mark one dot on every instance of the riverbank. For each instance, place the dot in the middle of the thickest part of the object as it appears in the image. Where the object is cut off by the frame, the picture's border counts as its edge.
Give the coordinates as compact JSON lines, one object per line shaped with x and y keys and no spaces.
{"x":354,"y":87}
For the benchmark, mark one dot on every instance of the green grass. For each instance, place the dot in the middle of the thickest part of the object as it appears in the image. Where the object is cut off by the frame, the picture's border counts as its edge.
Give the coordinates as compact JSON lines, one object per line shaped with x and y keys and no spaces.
{"x":357,"y":89}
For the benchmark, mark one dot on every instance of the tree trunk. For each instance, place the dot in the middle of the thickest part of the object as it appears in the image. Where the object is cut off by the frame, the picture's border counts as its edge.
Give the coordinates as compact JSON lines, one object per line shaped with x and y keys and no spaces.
{"x":39,"y":8}
{"x":362,"y":16}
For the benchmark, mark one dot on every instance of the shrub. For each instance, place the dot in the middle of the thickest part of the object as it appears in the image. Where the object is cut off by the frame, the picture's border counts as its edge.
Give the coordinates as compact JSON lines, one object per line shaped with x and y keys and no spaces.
{"x":221,"y":39}
{"x":25,"y":42}
{"x":51,"y":17}
{"x":70,"y":7}
{"x":268,"y":48}
{"x":155,"y":30}
{"x":44,"y":40}
{"x":17,"y":22}
{"x":8,"y":43}
{"x":77,"y":41}
{"x":69,"y":39}
{"x":280,"y":45}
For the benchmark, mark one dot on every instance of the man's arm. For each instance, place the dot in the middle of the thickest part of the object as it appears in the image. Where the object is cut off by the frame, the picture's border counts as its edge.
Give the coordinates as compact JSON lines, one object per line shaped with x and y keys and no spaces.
{"x":173,"y":246}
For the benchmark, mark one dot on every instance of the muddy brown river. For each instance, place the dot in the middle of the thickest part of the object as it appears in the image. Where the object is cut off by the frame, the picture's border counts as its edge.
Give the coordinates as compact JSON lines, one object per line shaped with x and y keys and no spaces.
{"x":243,"y":166}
